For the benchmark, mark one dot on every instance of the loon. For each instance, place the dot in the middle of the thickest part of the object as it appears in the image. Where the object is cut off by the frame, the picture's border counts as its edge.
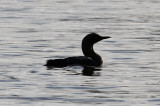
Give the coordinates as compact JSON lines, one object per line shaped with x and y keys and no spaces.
{"x":90,"y":58}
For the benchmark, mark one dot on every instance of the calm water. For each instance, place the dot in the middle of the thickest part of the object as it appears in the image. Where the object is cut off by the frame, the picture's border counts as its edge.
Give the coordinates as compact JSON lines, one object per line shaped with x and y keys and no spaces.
{"x":32,"y":31}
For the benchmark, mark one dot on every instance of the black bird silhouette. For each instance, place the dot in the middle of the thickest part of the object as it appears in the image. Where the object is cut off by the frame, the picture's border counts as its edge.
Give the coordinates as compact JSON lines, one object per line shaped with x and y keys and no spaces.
{"x":90,"y":58}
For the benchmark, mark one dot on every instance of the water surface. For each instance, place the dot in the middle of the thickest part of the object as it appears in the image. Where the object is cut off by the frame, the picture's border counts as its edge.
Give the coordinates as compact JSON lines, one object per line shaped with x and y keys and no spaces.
{"x":33,"y":31}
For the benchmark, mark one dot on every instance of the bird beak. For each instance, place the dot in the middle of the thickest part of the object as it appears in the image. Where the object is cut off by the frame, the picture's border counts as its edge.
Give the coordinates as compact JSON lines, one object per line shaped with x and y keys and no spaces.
{"x":106,"y":37}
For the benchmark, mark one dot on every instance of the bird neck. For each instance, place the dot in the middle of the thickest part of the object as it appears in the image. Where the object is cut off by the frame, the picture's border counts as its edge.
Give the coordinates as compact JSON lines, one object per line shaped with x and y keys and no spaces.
{"x":88,"y":51}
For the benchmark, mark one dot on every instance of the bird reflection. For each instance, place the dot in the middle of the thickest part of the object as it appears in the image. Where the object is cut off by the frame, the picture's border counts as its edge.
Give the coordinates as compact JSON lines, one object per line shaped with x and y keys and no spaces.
{"x":90,"y":71}
{"x":87,"y":71}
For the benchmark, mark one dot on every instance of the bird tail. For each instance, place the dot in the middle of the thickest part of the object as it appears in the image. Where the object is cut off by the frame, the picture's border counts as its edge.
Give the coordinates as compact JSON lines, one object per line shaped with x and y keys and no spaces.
{"x":57,"y":63}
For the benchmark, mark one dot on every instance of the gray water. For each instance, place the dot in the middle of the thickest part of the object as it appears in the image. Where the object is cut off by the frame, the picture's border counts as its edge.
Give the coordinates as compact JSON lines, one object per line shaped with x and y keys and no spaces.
{"x":32,"y":31}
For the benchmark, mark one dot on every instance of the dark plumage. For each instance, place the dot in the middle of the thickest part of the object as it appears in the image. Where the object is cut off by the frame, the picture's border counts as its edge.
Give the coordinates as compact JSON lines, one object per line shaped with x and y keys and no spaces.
{"x":90,"y":58}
